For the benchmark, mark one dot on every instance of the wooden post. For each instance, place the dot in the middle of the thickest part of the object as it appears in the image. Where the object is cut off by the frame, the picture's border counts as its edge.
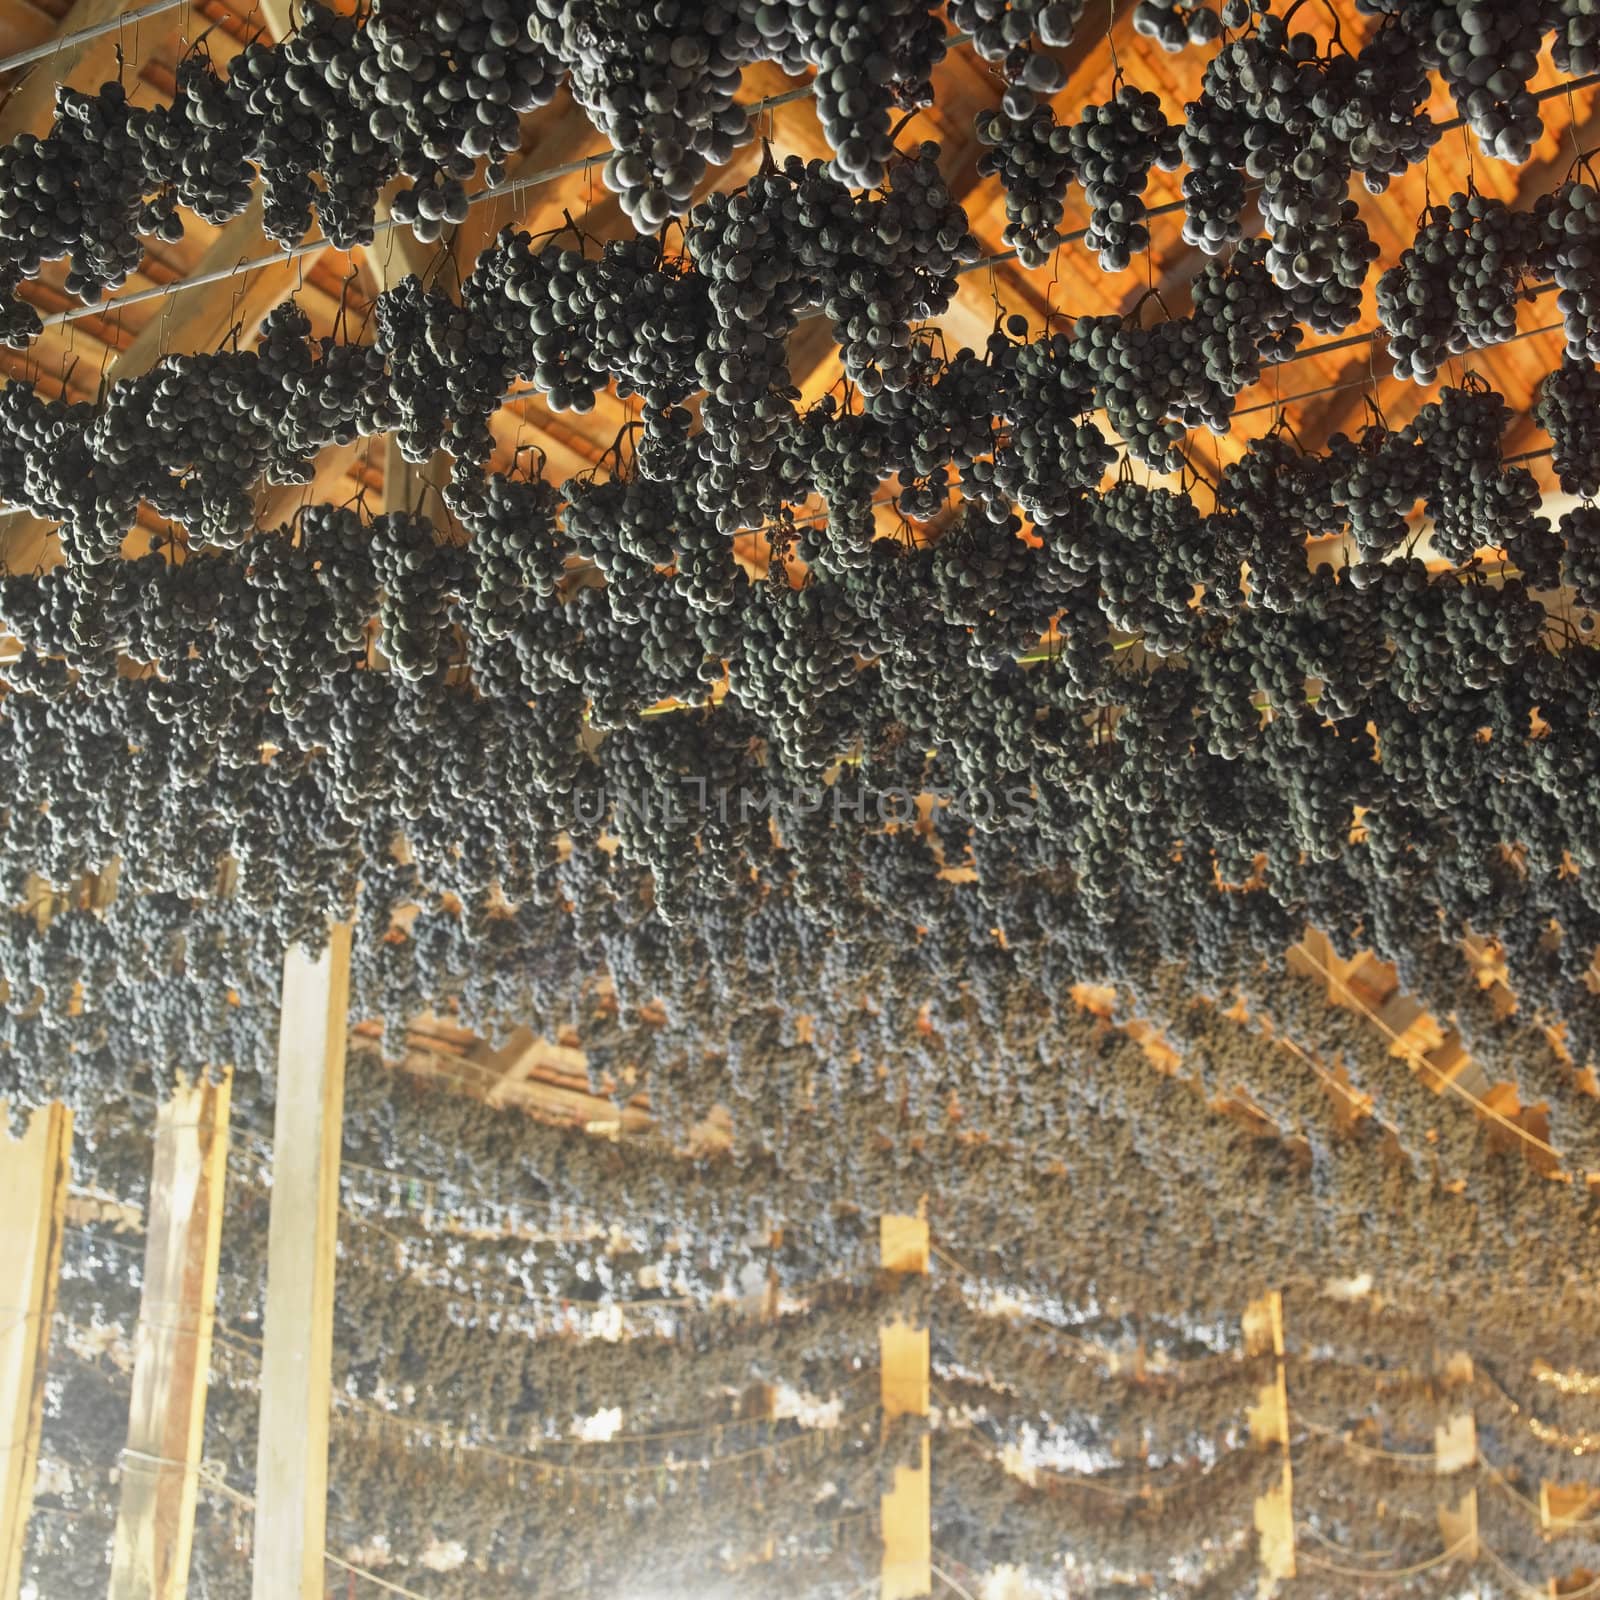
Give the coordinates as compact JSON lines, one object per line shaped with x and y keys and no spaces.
{"x":297,"y":1353}
{"x":1563,"y":1505}
{"x":906,"y":1510}
{"x":33,"y":1205}
{"x":172,"y":1346}
{"x":1269,"y":1425}
{"x":1455,"y":1449}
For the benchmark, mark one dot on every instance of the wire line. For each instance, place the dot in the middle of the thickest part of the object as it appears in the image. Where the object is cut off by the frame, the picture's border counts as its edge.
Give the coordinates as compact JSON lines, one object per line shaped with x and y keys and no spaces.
{"x":1392,"y":1574}
{"x":59,"y":42}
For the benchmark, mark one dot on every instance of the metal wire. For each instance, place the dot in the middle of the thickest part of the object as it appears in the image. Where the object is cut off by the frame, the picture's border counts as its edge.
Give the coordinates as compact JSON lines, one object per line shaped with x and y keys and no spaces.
{"x":53,"y":47}
{"x":1383,"y":1575}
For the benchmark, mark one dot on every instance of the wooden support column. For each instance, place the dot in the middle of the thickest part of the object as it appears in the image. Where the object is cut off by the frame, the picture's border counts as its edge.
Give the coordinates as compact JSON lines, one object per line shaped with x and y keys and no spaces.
{"x":302,"y":1232}
{"x":1455,"y":1449}
{"x":33,"y":1206}
{"x":906,"y":1510}
{"x":1269,"y":1426}
{"x":172,"y":1346}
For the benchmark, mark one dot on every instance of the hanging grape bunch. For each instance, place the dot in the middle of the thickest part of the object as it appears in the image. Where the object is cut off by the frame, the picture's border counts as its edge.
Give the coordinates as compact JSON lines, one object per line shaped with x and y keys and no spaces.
{"x":1572,"y":228}
{"x":1568,"y":409}
{"x":1486,"y":54}
{"x":451,"y":81}
{"x":1580,"y":564}
{"x":1174,"y":24}
{"x":661,"y":92}
{"x":1030,"y":155}
{"x":873,"y":58}
{"x":1009,"y":32}
{"x":1458,"y":286}
{"x":1112,"y":148}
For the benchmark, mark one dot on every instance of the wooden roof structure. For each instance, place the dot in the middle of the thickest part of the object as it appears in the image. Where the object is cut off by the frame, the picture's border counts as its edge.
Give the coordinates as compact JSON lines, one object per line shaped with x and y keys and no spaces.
{"x":216,"y":284}
{"x":219,"y":283}
{"x":1325,"y":389}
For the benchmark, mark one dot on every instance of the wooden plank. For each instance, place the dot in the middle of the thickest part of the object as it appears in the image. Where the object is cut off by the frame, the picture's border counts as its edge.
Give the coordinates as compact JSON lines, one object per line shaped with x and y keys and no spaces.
{"x":172,"y":1346}
{"x":200,"y":319}
{"x":87,"y":1209}
{"x":33,"y":1203}
{"x":1262,"y":1326}
{"x":1399,"y":1014}
{"x":1458,"y":1526}
{"x":1455,"y":1443}
{"x":333,"y":465}
{"x":906,"y":1510}
{"x":278,"y":15}
{"x":521,"y":1054}
{"x":1455,"y":1449}
{"x":302,"y":1234}
{"x":1563,"y":1505}
{"x":25,"y":542}
{"x":903,"y":1244}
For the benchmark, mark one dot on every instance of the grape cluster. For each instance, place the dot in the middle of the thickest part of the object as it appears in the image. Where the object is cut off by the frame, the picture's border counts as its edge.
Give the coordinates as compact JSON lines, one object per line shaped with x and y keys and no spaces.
{"x":1458,"y":286}
{"x":1112,"y":148}
{"x":313,"y":590}
{"x":1302,"y":124}
{"x":1580,"y":560}
{"x":1126,"y":362}
{"x":1473,"y":502}
{"x":1568,"y":409}
{"x":1173,"y":24}
{"x":751,"y":250}
{"x":660,"y":86}
{"x":1009,"y":33}
{"x":893,"y":263}
{"x":1054,"y":454}
{"x":1571,"y":218}
{"x":412,"y":614}
{"x":872,"y":58}
{"x":1377,"y":479}
{"x":1030,"y":156}
{"x":75,"y":193}
{"x":1486,"y":55}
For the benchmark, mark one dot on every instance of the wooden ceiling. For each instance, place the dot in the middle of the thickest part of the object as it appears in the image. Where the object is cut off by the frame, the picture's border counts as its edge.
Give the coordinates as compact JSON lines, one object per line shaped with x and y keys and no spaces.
{"x":1320,"y":393}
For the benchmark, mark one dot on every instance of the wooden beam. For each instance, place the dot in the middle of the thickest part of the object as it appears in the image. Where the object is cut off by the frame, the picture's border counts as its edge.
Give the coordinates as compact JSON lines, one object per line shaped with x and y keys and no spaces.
{"x":25,"y":542}
{"x":302,"y":1234}
{"x":201,"y":319}
{"x":172,"y":1346}
{"x":333,"y":465}
{"x":33,"y":1203}
{"x":278,"y":15}
{"x":523,"y":1053}
{"x":1455,"y":1449}
{"x":906,"y":1510}
{"x":397,"y":252}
